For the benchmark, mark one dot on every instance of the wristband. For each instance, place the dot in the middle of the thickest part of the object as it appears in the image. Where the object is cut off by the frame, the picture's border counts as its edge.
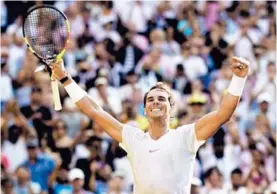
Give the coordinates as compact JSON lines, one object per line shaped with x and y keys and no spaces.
{"x":236,"y":86}
{"x":75,"y":92}
{"x":64,"y":79}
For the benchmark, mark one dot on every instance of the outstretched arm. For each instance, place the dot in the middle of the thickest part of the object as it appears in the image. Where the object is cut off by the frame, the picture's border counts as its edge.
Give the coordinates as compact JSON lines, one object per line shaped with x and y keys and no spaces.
{"x":87,"y":105}
{"x":210,"y":123}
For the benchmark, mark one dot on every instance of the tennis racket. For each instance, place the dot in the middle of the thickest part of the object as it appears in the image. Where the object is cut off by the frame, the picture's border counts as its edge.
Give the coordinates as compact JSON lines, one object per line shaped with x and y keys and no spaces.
{"x":46,"y":32}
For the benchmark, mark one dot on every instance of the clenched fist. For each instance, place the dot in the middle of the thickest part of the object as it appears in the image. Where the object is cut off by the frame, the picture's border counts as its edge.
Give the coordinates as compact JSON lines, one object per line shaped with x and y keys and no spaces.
{"x":58,"y":70}
{"x":240,"y":66}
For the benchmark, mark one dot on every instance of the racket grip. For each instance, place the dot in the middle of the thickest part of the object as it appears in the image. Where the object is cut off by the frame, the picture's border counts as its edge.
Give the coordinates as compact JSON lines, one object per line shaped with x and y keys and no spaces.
{"x":56,"y":95}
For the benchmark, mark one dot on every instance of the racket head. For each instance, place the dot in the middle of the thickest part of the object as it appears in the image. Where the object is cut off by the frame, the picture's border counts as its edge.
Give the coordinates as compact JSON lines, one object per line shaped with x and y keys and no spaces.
{"x":46,"y":32}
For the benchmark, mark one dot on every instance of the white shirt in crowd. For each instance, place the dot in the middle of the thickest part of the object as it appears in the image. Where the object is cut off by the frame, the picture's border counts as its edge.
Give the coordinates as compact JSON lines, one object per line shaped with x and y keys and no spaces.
{"x":114,"y":100}
{"x":164,"y":165}
{"x":195,"y":67}
{"x":16,"y":153}
{"x":6,"y":87}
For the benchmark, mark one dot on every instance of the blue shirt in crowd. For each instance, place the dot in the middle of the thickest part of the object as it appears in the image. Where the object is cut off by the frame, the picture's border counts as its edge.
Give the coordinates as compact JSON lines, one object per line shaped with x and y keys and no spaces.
{"x":41,"y":170}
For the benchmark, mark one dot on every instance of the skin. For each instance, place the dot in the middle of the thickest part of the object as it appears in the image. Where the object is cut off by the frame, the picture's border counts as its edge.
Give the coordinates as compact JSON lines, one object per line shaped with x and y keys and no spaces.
{"x":159,"y":119}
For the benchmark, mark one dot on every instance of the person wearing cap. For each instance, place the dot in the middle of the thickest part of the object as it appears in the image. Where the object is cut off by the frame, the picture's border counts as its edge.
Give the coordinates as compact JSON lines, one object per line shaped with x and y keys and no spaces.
{"x":266,"y":108}
{"x":104,"y":95}
{"x":196,"y":107}
{"x":76,"y":178}
{"x":40,"y":166}
{"x":162,"y":159}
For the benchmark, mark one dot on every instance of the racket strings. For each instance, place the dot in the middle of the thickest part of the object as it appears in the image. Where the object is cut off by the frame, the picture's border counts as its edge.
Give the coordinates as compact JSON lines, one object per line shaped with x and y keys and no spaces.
{"x":46,"y":30}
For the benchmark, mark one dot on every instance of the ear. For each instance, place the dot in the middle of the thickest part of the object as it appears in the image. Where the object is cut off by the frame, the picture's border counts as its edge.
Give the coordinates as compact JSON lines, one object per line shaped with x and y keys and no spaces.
{"x":172,"y":112}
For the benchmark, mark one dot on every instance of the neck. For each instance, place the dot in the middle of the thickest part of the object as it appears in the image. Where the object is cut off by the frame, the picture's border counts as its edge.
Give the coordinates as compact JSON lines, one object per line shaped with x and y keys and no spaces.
{"x":158,"y":127}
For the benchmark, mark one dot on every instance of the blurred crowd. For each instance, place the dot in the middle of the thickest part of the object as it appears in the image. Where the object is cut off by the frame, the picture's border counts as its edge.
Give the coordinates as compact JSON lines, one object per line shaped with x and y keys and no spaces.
{"x":117,"y":51}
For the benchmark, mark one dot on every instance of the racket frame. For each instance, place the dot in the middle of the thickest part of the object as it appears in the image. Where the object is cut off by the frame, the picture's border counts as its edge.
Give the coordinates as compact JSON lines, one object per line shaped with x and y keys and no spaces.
{"x":48,"y":61}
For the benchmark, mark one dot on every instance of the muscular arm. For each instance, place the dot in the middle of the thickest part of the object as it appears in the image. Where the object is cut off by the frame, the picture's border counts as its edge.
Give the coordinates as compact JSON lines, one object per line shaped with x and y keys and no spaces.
{"x":89,"y":107}
{"x":210,"y":123}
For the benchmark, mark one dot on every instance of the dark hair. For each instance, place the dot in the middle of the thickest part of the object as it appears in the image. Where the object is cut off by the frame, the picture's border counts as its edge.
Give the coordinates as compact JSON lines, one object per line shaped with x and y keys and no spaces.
{"x":60,"y":121}
{"x":164,"y":87}
{"x":5,"y":181}
{"x":92,"y":139}
{"x":236,"y":171}
{"x":209,"y":172}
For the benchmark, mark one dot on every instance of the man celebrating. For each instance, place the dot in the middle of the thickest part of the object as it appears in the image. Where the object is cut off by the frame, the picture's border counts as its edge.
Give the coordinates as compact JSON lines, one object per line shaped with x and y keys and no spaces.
{"x":162,"y":159}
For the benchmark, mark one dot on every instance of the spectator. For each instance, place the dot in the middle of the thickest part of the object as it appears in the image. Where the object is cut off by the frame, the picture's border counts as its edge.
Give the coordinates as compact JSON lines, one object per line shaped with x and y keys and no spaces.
{"x":40,"y":166}
{"x":15,"y":133}
{"x":236,"y":183}
{"x":129,"y":54}
{"x":39,"y":115}
{"x":198,"y":68}
{"x":23,"y":185}
{"x":115,"y":184}
{"x":6,"y":80}
{"x":7,"y":186}
{"x":63,"y":143}
{"x":93,"y":165}
{"x":104,"y":96}
{"x":213,"y":182}
{"x":76,"y":178}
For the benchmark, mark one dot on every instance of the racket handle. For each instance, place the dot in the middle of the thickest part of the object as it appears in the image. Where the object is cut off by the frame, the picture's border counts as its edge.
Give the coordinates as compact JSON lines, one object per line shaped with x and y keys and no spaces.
{"x":56,"y":94}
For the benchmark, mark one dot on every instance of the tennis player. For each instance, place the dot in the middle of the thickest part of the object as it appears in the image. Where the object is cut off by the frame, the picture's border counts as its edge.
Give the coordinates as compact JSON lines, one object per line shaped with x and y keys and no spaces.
{"x":162,"y":160}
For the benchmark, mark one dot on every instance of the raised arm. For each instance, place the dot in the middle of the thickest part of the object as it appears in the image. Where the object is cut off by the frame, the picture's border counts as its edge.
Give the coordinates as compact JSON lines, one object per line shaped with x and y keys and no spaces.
{"x":87,"y":105}
{"x":210,"y":123}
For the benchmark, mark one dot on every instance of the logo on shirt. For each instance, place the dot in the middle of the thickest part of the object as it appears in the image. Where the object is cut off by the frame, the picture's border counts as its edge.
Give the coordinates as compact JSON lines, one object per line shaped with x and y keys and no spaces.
{"x":151,"y":151}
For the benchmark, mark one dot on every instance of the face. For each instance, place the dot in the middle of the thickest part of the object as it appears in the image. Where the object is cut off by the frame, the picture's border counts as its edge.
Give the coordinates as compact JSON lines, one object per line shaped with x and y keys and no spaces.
{"x":77,"y":184}
{"x":22,"y":175}
{"x":214,"y":178}
{"x":236,"y":180}
{"x":60,"y":128}
{"x":32,"y":152}
{"x":132,"y":79}
{"x":157,"y":104}
{"x":36,"y":97}
{"x":264,"y":107}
